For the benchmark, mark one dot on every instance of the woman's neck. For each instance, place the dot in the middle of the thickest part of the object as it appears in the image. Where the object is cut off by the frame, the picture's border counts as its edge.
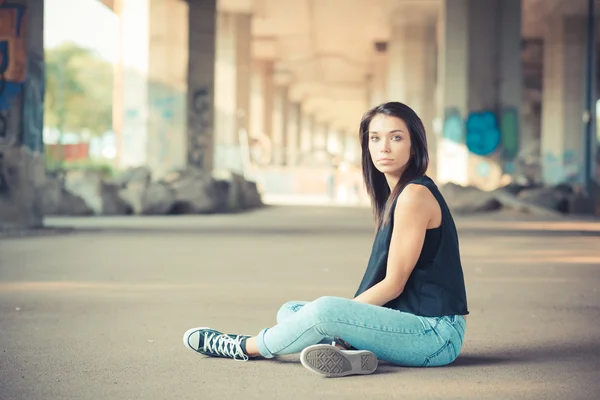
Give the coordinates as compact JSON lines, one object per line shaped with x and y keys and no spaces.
{"x":392,"y":181}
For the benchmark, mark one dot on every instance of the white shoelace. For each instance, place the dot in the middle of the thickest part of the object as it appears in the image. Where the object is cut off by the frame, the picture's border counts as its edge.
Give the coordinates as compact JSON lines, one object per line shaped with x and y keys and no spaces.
{"x":224,"y":345}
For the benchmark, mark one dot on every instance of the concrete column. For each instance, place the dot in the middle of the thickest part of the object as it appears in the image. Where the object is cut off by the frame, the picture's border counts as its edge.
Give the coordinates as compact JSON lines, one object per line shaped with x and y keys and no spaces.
{"x":562,"y":142}
{"x":319,"y":140}
{"x":201,"y":83}
{"x":335,"y":144}
{"x":280,"y":124}
{"x":153,"y":80}
{"x":261,"y":102}
{"x":481,"y":90}
{"x":308,"y":125}
{"x":21,"y":115}
{"x":378,"y":80}
{"x":352,"y":150}
{"x":232,"y":87}
{"x":412,"y":71}
{"x":294,"y":129}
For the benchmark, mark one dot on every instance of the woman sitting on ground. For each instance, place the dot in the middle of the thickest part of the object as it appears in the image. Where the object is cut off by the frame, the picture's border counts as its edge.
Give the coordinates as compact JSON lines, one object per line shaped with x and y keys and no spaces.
{"x":411,"y":305}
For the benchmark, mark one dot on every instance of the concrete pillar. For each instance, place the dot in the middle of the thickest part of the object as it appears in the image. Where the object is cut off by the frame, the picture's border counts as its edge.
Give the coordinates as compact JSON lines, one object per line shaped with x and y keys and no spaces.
{"x":563,"y":100}
{"x":280,"y":124}
{"x":335,"y":144}
{"x":261,"y":102}
{"x":21,"y":115}
{"x":319,"y":139}
{"x":201,"y":83}
{"x":352,"y":150}
{"x":481,"y":90}
{"x":153,"y":79}
{"x":379,"y":75}
{"x":308,"y":125}
{"x":412,"y":71}
{"x":232,"y":87}
{"x":294,"y":129}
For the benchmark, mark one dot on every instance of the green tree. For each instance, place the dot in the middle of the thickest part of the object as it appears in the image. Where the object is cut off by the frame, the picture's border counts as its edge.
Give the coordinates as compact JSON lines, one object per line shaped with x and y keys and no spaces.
{"x":78,"y":90}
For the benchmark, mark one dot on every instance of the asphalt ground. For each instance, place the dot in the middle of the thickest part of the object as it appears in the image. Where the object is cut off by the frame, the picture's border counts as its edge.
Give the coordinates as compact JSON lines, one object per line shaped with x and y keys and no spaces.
{"x":95,"y":308}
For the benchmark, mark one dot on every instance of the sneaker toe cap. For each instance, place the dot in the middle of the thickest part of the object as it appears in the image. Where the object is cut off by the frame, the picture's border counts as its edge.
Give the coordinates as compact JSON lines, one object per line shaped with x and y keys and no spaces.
{"x":191,"y":339}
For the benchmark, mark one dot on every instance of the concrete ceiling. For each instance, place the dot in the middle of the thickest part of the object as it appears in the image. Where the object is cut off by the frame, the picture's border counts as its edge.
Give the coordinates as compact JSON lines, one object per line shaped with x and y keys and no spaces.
{"x":325,"y":48}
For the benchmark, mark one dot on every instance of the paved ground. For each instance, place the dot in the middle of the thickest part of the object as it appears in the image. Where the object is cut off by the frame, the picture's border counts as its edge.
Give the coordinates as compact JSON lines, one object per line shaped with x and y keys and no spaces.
{"x":98,"y":313}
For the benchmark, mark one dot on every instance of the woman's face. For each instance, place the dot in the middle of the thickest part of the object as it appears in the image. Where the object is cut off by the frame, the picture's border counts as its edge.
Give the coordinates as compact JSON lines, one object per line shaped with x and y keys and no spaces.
{"x":389,"y":144}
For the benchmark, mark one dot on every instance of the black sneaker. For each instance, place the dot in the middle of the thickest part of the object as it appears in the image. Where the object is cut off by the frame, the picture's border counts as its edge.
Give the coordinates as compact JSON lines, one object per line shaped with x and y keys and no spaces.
{"x":332,"y":362}
{"x":214,"y":343}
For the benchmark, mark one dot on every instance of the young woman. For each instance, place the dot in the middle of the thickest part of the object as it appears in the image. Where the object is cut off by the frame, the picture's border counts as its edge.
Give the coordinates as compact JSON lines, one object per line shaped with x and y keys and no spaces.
{"x":411,"y":305}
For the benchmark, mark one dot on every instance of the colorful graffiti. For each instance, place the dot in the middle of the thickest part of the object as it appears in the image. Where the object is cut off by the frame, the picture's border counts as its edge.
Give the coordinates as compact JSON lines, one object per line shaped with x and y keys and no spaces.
{"x":200,"y":134}
{"x":484,"y":136}
{"x":166,"y":111}
{"x":13,"y":52}
{"x":453,"y":129}
{"x":482,"y":133}
{"x":509,"y":128}
{"x":561,"y":168}
{"x":13,"y":68}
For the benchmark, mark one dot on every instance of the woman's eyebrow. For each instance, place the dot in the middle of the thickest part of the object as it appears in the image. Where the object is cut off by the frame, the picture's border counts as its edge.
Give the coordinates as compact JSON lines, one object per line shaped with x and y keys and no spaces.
{"x":394,"y":131}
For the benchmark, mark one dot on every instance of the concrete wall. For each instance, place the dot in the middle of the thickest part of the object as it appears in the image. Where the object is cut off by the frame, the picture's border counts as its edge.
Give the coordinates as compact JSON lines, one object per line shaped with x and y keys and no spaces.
{"x":21,"y":115}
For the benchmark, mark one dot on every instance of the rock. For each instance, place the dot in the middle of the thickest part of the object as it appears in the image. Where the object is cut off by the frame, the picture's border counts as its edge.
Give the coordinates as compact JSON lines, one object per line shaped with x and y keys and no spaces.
{"x":133,"y":183}
{"x":132,"y":193}
{"x":56,"y":200}
{"x":556,"y":199}
{"x":102,"y":197}
{"x":157,"y":199}
{"x":22,"y":177}
{"x":512,"y":202}
{"x":112,"y":202}
{"x":194,"y":191}
{"x":86,"y":186}
{"x":138,"y":175}
{"x":468,"y":199}
{"x":236,"y":193}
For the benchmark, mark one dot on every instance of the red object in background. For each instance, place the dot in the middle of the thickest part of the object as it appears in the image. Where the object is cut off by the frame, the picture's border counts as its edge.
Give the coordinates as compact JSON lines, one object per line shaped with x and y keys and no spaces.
{"x":72,"y":152}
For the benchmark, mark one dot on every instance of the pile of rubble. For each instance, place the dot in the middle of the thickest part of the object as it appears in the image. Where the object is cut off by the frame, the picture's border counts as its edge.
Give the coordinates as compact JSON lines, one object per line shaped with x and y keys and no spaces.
{"x":191,"y":191}
{"x":539,"y":200}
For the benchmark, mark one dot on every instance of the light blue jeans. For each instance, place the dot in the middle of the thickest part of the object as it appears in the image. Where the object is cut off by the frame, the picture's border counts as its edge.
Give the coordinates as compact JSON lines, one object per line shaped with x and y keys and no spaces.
{"x":397,"y":337}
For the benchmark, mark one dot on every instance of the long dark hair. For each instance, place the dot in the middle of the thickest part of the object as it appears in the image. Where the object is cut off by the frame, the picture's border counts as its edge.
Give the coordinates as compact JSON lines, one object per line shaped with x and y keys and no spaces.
{"x":377,"y":187}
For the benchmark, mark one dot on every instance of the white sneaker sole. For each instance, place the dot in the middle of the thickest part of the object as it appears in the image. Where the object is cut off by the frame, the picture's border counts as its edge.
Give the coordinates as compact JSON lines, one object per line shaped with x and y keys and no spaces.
{"x":186,"y":337}
{"x":328,"y":360}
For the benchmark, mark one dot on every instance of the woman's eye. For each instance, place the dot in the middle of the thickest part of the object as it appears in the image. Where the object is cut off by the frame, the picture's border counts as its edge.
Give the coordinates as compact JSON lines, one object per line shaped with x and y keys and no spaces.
{"x":374,"y":138}
{"x":397,"y":137}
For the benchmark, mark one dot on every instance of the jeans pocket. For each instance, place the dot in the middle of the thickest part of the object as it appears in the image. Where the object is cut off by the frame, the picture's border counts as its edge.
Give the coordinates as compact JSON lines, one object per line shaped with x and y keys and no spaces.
{"x":443,"y":356}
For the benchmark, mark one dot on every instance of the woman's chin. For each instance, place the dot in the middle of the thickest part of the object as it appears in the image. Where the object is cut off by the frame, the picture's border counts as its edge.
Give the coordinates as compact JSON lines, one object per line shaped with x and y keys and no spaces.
{"x":389,"y":170}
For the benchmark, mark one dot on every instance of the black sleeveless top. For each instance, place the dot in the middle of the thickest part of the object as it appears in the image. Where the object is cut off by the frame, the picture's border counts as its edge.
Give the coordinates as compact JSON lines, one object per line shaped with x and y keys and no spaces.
{"x":436,"y":286}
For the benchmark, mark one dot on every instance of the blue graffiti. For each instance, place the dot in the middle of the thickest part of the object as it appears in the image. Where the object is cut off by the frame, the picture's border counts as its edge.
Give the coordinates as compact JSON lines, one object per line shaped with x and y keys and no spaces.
{"x":509,"y":167}
{"x":484,"y":169}
{"x":11,"y":53}
{"x":483,"y":135}
{"x":509,"y":126}
{"x":453,"y":128}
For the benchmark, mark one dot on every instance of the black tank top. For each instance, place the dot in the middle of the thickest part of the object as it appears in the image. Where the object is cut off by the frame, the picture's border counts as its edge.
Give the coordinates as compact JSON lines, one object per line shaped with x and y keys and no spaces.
{"x":436,"y":286}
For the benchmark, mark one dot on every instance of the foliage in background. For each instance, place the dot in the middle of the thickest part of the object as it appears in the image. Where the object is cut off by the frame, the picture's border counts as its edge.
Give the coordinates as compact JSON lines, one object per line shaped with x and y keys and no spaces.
{"x":78,"y":90}
{"x":79,"y":93}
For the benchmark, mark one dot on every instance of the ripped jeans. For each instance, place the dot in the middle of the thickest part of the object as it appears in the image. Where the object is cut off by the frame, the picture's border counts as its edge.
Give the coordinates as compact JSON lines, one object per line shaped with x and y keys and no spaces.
{"x":394,"y":336}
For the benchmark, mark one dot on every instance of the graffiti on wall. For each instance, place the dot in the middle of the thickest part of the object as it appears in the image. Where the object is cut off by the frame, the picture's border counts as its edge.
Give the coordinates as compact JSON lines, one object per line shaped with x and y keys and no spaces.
{"x":13,"y":59}
{"x":486,"y":135}
{"x":509,"y":128}
{"x":200,"y":128}
{"x":454,"y":127}
{"x":165,"y":107}
{"x":561,"y":167}
{"x":13,"y":68}
{"x":482,"y":133}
